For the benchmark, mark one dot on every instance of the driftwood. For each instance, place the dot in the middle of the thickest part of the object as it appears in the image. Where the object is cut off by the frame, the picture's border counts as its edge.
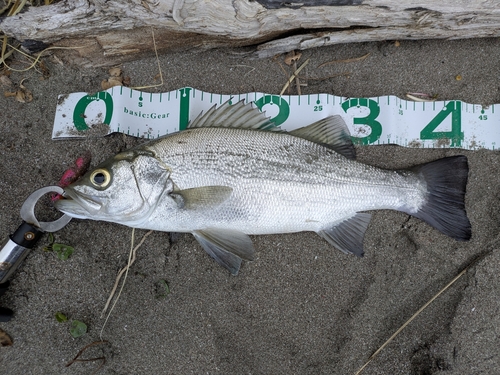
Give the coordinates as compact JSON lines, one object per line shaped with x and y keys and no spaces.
{"x":117,"y":30}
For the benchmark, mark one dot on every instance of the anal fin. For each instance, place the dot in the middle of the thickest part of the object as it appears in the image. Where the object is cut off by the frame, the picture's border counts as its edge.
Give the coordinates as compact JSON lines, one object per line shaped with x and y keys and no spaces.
{"x":348,"y":235}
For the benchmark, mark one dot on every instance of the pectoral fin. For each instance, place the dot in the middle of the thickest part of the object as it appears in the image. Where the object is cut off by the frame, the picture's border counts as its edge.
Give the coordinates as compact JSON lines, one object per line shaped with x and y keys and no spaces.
{"x":202,"y":197}
{"x":227,"y":247}
{"x":348,"y":235}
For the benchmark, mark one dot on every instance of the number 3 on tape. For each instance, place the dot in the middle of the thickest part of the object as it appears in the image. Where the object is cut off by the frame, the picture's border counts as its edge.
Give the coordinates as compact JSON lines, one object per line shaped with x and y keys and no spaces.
{"x":369,"y":120}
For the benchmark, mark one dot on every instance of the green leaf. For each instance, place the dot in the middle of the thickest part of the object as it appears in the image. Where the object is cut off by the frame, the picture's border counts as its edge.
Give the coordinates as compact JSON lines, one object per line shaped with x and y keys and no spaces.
{"x":162,"y":289}
{"x":165,"y":285}
{"x":63,"y":251}
{"x":78,"y":329}
{"x":60,"y":317}
{"x":51,"y":241}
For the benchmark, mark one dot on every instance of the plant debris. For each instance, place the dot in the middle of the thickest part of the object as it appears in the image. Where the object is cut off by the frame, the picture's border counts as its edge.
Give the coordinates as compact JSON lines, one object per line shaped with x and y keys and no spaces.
{"x":22,"y":94}
{"x":162,"y":289}
{"x":294,"y":76}
{"x":60,"y":317}
{"x":78,"y":329}
{"x":160,"y":74}
{"x":361,"y":58}
{"x":62,"y":251}
{"x":116,"y":79}
{"x":5,"y":81}
{"x":421,"y":97}
{"x":474,"y":261}
{"x":292,"y":57}
{"x":76,"y":359}
{"x":5,"y":339}
{"x":131,"y":260}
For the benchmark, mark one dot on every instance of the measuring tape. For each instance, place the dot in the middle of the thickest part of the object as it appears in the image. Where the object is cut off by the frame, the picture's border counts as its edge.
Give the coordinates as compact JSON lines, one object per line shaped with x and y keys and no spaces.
{"x":372,"y":121}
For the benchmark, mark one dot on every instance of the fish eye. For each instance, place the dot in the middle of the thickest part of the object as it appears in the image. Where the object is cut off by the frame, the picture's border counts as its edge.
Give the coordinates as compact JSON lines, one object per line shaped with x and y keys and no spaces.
{"x":100,"y":178}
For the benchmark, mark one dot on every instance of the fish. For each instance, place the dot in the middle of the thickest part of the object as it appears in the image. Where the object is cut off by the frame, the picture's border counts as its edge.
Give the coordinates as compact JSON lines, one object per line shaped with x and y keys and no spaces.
{"x":232,"y":173}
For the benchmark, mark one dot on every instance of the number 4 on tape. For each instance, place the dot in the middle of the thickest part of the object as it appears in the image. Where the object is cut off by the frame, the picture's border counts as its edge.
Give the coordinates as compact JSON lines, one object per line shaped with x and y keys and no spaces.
{"x":455,"y":135}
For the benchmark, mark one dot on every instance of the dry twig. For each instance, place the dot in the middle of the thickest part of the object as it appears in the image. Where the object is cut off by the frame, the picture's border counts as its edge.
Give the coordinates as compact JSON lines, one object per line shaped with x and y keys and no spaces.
{"x":290,"y":80}
{"x":76,"y":359}
{"x":159,"y":66}
{"x":361,"y":58}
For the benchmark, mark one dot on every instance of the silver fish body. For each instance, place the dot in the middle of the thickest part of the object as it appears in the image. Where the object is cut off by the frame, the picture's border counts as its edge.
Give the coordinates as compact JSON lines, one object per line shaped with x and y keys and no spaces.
{"x":280,"y":183}
{"x":223,"y":182}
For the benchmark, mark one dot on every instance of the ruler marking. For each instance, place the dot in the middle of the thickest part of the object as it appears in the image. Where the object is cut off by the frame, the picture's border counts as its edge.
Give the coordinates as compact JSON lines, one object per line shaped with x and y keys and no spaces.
{"x":393,"y":119}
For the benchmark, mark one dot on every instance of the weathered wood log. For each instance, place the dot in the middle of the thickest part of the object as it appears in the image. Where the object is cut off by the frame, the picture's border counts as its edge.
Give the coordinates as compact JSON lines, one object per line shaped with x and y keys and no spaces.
{"x":117,"y":30}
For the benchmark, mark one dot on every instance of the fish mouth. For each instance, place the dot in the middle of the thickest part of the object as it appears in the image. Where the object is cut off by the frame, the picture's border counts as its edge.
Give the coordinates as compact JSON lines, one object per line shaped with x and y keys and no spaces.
{"x":77,"y":204}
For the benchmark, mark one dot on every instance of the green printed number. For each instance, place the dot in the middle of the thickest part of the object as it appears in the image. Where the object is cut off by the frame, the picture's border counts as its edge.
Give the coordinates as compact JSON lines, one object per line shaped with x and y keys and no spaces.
{"x":184,"y":108}
{"x":369,"y":120}
{"x":284,"y":108}
{"x":83,"y":103}
{"x":455,"y":135}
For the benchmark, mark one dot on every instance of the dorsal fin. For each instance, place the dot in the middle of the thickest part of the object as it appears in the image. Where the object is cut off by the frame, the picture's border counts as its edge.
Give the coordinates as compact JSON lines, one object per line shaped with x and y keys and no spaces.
{"x":331,"y":132}
{"x":238,"y":115}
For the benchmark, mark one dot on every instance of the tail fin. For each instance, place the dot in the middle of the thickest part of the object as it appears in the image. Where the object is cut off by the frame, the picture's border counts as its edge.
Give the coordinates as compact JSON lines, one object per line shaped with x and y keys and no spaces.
{"x":445,"y":207}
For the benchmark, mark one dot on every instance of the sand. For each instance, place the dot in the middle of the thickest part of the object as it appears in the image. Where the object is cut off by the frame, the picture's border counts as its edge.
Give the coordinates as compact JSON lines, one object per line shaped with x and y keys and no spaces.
{"x":302,"y":307}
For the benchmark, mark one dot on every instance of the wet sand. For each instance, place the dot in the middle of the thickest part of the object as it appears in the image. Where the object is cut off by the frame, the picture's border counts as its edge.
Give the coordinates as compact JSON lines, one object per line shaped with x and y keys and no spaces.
{"x":302,"y":307}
